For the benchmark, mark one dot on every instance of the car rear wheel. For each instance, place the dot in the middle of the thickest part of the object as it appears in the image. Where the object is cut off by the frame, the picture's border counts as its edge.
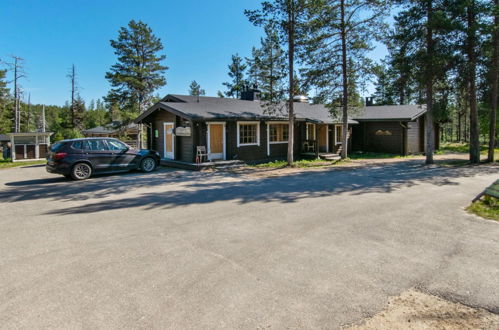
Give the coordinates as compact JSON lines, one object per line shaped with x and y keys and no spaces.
{"x":148,"y":165}
{"x":81,"y":171}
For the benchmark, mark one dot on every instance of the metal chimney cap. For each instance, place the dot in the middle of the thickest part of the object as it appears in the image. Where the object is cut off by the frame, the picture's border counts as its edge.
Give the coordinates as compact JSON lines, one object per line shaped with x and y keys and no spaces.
{"x":300,"y":99}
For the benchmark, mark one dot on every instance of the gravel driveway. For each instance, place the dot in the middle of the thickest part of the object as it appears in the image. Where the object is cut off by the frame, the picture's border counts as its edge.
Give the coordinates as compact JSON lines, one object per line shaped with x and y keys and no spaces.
{"x":176,"y":249}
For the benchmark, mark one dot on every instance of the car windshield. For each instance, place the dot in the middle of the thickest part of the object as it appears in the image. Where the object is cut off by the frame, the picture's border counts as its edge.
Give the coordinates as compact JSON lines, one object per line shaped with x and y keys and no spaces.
{"x":116,"y":145}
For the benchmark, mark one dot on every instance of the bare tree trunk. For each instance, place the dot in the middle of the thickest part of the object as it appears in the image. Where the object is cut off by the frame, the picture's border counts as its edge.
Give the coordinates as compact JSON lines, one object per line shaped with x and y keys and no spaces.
{"x":494,"y":72}
{"x":474,"y":135}
{"x":344,"y":137}
{"x":72,"y":77}
{"x":429,"y":129}
{"x":291,"y":59}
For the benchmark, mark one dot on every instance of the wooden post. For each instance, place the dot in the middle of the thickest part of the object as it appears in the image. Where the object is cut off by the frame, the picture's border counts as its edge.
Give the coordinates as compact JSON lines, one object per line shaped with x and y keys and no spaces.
{"x":316,"y":141}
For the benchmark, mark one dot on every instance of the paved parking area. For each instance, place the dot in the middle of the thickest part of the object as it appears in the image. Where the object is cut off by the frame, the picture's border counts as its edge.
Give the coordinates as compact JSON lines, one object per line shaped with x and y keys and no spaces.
{"x":176,"y":249}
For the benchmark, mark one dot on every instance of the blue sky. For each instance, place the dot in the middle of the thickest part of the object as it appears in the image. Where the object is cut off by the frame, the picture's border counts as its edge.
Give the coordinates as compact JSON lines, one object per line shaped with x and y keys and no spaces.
{"x":199,"y":38}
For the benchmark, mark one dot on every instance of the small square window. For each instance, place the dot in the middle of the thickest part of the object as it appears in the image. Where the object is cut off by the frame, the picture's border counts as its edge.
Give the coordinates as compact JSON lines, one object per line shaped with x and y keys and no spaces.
{"x":248,"y":133}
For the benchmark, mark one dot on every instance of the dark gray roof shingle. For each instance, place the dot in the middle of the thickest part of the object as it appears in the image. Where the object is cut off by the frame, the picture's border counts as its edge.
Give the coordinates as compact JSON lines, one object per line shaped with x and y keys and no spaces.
{"x":213,"y":108}
{"x":390,"y":112}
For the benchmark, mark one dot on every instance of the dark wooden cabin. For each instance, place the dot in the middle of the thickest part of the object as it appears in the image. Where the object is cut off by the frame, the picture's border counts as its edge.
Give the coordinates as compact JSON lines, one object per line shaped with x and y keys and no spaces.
{"x":244,"y":129}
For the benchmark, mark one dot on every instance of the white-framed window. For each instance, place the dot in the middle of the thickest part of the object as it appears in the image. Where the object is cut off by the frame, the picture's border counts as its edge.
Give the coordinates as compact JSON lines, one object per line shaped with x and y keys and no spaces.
{"x":278,"y":133}
{"x":310,"y":131}
{"x":338,"y":133}
{"x":248,"y":133}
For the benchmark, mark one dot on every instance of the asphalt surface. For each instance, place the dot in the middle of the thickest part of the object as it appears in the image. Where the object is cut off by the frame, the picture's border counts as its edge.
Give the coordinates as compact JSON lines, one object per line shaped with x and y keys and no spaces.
{"x":177,"y":249}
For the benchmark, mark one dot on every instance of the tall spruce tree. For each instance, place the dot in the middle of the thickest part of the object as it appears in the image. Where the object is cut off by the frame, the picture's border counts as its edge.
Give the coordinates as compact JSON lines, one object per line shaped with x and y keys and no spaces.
{"x":237,"y":71}
{"x":139,"y":70}
{"x":288,"y":18}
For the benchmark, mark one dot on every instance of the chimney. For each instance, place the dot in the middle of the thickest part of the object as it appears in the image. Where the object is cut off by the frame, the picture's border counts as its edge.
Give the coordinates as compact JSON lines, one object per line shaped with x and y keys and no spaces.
{"x":300,"y":99}
{"x":251,"y":94}
{"x":369,"y":101}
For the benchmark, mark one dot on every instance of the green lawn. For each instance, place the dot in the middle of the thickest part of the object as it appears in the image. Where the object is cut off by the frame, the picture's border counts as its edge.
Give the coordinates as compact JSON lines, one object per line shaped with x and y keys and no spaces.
{"x":464,"y":148}
{"x":487,"y":208}
{"x":6,"y":163}
{"x":298,"y":163}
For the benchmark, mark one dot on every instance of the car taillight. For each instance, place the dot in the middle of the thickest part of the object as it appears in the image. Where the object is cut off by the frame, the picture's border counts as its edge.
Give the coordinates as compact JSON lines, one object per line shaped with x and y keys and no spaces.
{"x":60,"y":156}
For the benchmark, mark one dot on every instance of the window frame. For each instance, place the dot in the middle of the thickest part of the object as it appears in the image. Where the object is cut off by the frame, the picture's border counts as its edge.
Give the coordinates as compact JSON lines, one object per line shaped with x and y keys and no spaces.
{"x":336,"y":129}
{"x":281,"y":141}
{"x":239,"y":123}
{"x":313,"y":131}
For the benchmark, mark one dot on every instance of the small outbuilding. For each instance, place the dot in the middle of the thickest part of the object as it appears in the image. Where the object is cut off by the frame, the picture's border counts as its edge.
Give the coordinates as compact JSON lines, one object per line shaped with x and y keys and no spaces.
{"x":29,"y":146}
{"x":393,"y":129}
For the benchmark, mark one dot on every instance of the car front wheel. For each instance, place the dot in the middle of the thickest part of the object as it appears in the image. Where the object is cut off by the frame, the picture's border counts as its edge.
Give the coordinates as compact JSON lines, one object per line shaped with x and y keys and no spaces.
{"x":148,"y":165}
{"x":81,"y":171}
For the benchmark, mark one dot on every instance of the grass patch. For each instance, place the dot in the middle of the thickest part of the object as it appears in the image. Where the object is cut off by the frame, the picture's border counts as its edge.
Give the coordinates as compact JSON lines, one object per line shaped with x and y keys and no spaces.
{"x":7,"y":163}
{"x":373,"y":155}
{"x":302,"y":163}
{"x":463,"y":148}
{"x":487,"y":208}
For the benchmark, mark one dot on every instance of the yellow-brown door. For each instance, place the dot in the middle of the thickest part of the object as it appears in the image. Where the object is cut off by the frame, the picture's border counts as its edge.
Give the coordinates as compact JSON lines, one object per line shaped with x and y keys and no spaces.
{"x":169,"y":141}
{"x":323,"y":138}
{"x":216,"y":143}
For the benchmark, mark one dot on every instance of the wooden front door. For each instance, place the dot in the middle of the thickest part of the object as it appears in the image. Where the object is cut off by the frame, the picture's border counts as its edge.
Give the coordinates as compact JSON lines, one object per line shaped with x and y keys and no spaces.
{"x":216,"y":144}
{"x":323,"y":138}
{"x":169,"y":148}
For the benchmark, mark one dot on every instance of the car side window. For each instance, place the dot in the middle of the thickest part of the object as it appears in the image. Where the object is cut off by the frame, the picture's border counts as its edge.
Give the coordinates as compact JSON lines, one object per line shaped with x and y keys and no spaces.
{"x":116,"y":145}
{"x":94,"y":145}
{"x":77,"y":145}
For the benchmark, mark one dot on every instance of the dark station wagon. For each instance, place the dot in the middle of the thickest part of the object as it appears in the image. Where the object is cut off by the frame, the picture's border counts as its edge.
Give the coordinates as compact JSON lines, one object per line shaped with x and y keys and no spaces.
{"x":81,"y":158}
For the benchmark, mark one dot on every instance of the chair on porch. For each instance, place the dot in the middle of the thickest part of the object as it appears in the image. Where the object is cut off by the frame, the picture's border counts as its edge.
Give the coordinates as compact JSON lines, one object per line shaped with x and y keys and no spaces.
{"x":309,"y":146}
{"x":200,"y":153}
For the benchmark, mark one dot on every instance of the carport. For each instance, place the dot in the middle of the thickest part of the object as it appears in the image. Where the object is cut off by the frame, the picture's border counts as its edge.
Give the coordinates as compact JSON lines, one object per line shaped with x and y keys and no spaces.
{"x":29,"y":146}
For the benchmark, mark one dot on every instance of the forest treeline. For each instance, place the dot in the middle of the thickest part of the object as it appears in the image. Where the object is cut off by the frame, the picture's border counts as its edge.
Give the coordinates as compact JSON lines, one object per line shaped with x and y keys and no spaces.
{"x":441,"y":53}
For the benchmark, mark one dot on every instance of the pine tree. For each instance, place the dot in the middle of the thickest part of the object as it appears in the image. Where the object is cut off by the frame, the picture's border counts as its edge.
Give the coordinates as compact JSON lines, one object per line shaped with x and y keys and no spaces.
{"x":339,"y":39}
{"x":139,"y":70}
{"x":195,"y":89}
{"x":236,"y":71}
{"x":272,"y":66}
{"x":494,"y":78}
{"x":288,"y":18}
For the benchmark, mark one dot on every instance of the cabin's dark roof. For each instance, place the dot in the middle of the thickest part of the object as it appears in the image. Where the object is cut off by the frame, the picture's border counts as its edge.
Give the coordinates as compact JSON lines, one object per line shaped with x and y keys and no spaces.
{"x":408,"y":112}
{"x":4,"y":137}
{"x":217,"y":108}
{"x":213,"y":108}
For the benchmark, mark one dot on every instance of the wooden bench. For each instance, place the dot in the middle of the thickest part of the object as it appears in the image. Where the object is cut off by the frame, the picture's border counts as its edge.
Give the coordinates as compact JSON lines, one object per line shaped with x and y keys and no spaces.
{"x":492,"y":191}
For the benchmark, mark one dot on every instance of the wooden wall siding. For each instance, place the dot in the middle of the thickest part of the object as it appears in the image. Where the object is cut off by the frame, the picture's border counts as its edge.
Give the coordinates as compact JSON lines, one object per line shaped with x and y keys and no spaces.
{"x":184,"y":149}
{"x":413,"y":141}
{"x":393,"y":144}
{"x":279,"y":150}
{"x":159,"y":119}
{"x":245,"y":152}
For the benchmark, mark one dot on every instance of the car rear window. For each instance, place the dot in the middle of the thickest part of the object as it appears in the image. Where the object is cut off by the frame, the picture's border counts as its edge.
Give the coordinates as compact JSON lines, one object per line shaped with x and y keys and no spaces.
{"x":57,"y":146}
